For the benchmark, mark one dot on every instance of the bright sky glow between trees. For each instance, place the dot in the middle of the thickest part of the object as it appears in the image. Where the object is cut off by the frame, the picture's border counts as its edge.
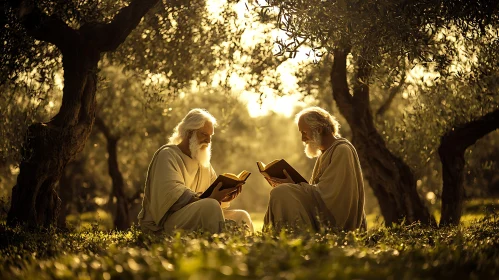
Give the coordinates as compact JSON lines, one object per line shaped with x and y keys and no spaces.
{"x":266,"y":100}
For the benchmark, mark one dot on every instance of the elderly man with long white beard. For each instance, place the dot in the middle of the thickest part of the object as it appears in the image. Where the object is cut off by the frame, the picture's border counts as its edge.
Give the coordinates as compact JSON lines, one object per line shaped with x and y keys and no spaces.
{"x":334,"y":196}
{"x":178,"y":173}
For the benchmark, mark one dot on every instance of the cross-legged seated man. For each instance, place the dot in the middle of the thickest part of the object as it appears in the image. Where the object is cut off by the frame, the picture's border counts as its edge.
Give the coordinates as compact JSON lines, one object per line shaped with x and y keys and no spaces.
{"x":178,"y":173}
{"x":335,"y":195}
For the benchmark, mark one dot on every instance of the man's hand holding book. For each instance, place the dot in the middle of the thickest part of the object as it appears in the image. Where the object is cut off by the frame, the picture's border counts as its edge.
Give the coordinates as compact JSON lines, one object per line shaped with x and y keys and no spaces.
{"x":274,"y":181}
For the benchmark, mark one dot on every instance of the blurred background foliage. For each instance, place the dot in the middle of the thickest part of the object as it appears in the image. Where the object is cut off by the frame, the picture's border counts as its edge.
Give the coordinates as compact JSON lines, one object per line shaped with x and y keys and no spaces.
{"x":189,"y":54}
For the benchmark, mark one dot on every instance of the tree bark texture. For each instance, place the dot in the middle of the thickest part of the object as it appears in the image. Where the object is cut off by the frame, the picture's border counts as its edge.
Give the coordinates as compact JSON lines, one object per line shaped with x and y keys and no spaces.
{"x":453,"y":145}
{"x":50,"y":146}
{"x":65,"y":192}
{"x":391,"y":96}
{"x":391,"y":179}
{"x":66,"y":189}
{"x":122,"y":216}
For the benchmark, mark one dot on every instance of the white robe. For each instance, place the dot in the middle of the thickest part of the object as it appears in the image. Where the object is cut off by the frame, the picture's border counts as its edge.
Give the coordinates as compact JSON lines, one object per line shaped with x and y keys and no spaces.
{"x":335,"y":193}
{"x":170,"y":174}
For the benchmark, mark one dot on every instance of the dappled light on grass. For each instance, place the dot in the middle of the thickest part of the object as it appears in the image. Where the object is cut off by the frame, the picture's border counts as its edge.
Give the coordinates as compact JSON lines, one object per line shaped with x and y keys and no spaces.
{"x":407,"y":251}
{"x":99,"y":219}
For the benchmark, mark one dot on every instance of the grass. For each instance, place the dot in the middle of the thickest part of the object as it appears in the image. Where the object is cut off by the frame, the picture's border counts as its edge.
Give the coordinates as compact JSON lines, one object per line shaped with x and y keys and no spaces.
{"x":401,"y":252}
{"x":104,"y":221}
{"x":100,"y":218}
{"x":257,"y":218}
{"x":475,"y":209}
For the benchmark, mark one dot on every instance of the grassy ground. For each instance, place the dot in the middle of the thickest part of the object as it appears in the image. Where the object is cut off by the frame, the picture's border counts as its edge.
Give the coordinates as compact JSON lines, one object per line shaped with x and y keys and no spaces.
{"x":474,"y":209}
{"x":401,"y":252}
{"x":468,"y":251}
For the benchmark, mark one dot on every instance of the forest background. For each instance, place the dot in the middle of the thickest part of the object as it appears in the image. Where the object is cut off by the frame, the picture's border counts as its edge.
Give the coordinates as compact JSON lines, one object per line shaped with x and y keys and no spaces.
{"x":253,"y":67}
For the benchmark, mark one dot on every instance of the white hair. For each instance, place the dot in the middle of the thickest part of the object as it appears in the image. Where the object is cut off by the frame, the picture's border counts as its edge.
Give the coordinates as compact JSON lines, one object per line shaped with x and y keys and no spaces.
{"x":317,"y":117}
{"x":195,"y":119}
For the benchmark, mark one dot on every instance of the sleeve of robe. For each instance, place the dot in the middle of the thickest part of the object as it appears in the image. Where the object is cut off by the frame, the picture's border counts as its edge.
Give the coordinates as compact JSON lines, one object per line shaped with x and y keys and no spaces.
{"x":182,"y":201}
{"x":339,"y":186}
{"x":166,"y":184}
{"x":224,"y":205}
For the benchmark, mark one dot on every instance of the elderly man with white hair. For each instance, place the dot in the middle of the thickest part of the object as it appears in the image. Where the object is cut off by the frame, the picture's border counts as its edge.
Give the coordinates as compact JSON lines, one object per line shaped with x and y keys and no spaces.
{"x":334,"y":196}
{"x":178,"y":173}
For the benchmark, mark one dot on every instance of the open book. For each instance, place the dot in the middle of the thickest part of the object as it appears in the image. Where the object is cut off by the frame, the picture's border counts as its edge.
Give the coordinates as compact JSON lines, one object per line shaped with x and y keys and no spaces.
{"x":228,"y":180}
{"x":275,"y":169}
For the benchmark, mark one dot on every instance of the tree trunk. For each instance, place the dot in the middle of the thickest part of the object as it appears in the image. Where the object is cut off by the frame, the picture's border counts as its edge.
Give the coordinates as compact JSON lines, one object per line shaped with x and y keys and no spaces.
{"x":65,"y":189}
{"x":392,"y":180}
{"x":50,"y":146}
{"x":453,"y":145}
{"x":65,"y":192}
{"x":122,"y":216}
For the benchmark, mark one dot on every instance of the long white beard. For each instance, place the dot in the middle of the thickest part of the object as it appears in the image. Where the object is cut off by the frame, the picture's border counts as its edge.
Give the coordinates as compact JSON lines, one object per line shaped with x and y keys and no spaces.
{"x":312,"y":147}
{"x":200,"y":152}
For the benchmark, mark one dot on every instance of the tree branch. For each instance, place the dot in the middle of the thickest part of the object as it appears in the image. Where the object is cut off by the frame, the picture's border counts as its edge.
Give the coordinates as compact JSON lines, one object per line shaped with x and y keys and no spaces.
{"x":107,"y":37}
{"x":43,"y":27}
{"x":460,"y":138}
{"x":393,"y":92}
{"x":339,"y":82}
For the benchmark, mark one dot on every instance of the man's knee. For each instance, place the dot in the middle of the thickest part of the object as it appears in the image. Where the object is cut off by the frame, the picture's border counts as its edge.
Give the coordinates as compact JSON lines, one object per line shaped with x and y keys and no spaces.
{"x":243,"y":216}
{"x":210,"y":208}
{"x":280,"y":192}
{"x":246,"y":215}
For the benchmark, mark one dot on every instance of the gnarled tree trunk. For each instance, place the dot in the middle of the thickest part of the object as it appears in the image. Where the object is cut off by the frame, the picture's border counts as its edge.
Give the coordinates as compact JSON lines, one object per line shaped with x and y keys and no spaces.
{"x":50,"y":146}
{"x":453,"y":145}
{"x":392,"y":180}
